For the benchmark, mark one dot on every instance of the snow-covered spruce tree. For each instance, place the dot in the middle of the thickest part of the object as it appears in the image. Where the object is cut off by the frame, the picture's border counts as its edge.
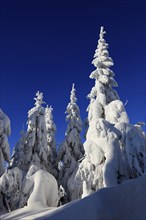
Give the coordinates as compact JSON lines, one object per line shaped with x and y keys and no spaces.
{"x":31,"y":150}
{"x":51,"y":142}
{"x":5,"y":131}
{"x":71,"y":149}
{"x":4,"y":149}
{"x":114,"y":150}
{"x":32,"y":147}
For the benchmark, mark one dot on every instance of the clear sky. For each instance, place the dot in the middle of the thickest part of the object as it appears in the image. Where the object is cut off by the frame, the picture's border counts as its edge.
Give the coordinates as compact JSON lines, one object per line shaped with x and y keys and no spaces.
{"x":47,"y":45}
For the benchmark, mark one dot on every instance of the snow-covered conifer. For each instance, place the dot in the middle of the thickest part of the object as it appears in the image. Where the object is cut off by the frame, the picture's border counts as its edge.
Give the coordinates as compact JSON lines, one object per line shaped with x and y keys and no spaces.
{"x":51,"y":142}
{"x":36,"y":147}
{"x":9,"y":180}
{"x":103,"y":75}
{"x":32,"y":147}
{"x":4,"y":145}
{"x":102,"y":93}
{"x":107,"y":150}
{"x":71,"y":149}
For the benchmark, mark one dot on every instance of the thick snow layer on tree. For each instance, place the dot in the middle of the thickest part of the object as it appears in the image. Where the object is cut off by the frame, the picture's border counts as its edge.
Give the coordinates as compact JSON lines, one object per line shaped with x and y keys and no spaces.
{"x":115,"y":112}
{"x":125,"y":202}
{"x":102,"y":161}
{"x":103,"y":75}
{"x":4,"y":123}
{"x":133,"y":147}
{"x":5,"y":131}
{"x":51,"y":143}
{"x":113,"y":153}
{"x":86,"y":179}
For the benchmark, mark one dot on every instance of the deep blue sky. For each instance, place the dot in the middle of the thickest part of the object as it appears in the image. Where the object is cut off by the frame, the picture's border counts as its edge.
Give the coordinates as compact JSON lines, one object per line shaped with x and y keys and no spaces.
{"x":47,"y":45}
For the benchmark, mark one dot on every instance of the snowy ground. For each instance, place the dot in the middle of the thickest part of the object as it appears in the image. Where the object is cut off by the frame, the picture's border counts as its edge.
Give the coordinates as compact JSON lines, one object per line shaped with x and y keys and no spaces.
{"x":123,"y":202}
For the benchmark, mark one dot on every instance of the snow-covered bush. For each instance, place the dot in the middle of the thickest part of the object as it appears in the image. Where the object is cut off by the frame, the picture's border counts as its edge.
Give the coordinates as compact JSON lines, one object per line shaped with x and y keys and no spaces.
{"x":11,"y":188}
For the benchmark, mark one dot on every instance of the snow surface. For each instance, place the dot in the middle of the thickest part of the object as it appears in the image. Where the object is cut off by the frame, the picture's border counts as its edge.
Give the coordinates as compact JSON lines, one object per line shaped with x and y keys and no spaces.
{"x":123,"y":202}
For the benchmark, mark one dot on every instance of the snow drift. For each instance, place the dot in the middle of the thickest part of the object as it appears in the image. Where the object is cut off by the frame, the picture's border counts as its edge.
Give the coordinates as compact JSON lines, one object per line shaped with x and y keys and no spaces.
{"x":123,"y":202}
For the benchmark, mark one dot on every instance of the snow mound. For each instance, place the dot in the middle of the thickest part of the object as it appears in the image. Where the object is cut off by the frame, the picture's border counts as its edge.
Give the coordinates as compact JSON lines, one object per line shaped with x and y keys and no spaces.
{"x":124,"y":202}
{"x":44,"y":193}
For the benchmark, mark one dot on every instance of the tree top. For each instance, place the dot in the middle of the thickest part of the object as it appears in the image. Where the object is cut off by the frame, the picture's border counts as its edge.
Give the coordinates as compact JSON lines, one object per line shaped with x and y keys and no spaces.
{"x":102,"y":32}
{"x":73,"y":98}
{"x":39,"y":99}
